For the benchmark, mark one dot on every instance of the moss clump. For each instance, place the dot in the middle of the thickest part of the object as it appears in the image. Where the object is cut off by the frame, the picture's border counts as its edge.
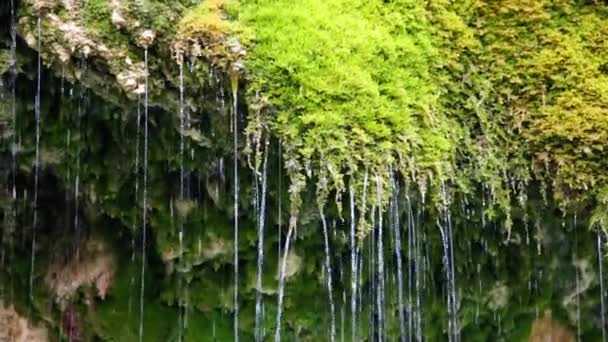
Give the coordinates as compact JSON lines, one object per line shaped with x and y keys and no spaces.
{"x":4,"y":61}
{"x":528,"y":83}
{"x":343,"y":76}
{"x":205,"y":31}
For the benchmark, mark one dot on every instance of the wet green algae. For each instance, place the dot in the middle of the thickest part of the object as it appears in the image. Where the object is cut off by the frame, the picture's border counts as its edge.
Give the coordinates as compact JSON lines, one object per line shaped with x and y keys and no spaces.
{"x":478,"y":95}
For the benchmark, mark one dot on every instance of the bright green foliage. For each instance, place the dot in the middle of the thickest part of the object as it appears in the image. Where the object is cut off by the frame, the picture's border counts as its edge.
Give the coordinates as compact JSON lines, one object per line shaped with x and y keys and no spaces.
{"x":528,"y":81}
{"x":349,"y":81}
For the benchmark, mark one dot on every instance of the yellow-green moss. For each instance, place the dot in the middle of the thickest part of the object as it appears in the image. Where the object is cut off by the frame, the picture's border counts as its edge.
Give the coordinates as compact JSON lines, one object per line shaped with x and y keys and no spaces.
{"x":205,"y":31}
{"x":349,"y":84}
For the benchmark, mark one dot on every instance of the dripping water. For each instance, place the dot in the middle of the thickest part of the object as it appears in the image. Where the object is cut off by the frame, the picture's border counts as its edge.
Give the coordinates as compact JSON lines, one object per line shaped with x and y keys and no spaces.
{"x":353,"y":266}
{"x":145,"y":202}
{"x":380,"y":300}
{"x":181,"y":188}
{"x":37,"y":160}
{"x":600,"y":257}
{"x":77,"y":176}
{"x":10,"y":228}
{"x":360,"y":287}
{"x":372,"y":277}
{"x":343,"y":304}
{"x":234,"y":83}
{"x":329,"y":272}
{"x":453,"y":276}
{"x":577,"y":276}
{"x":280,"y":205}
{"x":417,"y":271}
{"x":397,"y":237}
{"x":277,"y":336}
{"x":259,"y":334}
{"x":445,"y":227}
{"x":136,"y":195}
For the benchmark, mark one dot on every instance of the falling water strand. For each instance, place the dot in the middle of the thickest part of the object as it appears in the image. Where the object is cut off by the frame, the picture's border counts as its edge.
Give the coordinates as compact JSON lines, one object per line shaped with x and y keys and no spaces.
{"x":417,"y":271}
{"x":77,"y":177}
{"x":234,"y":83}
{"x":259,"y":334}
{"x":443,"y":226}
{"x":36,"y":162}
{"x":353,"y":266}
{"x":13,"y":185}
{"x":410,"y":268}
{"x":576,"y":272}
{"x":329,"y":272}
{"x":280,"y":204}
{"x":600,"y":257}
{"x":277,"y":336}
{"x":397,"y":236}
{"x":343,"y":305}
{"x":134,"y":224}
{"x":381,"y":285}
{"x":448,"y":258}
{"x":446,"y":267}
{"x":359,"y":291}
{"x":453,"y":278}
{"x":372,"y":279}
{"x":181,"y":191}
{"x":145,"y":203}
{"x":13,"y":78}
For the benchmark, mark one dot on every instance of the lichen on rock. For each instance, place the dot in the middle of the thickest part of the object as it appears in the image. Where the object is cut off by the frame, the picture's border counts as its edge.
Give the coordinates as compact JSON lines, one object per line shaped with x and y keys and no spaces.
{"x":92,"y":266}
{"x":16,"y":328}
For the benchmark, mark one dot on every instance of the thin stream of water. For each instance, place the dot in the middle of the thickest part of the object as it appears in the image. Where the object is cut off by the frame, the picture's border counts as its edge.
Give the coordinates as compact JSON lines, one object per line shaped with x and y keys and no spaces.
{"x":380,"y":300}
{"x":329,"y":281}
{"x":277,"y":336}
{"x":145,"y":203}
{"x":353,"y":266}
{"x":235,"y":125}
{"x":259,"y":333}
{"x":600,"y":256}
{"x":182,"y":120}
{"x":37,"y":160}
{"x":397,"y":237}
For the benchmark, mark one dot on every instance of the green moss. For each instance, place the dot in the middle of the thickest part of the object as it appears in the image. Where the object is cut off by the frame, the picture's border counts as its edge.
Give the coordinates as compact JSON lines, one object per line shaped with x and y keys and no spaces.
{"x":4,"y":60}
{"x":343,"y":76}
{"x":96,"y":16}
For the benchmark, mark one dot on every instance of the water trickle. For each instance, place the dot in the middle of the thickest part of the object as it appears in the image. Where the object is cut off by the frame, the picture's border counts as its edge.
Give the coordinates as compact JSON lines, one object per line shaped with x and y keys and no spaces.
{"x":397,"y":237}
{"x":380,"y":300}
{"x":417,"y":271}
{"x":343,"y":304}
{"x":145,"y":203}
{"x":359,"y":287}
{"x":11,"y":219}
{"x":77,"y":171}
{"x":600,"y":257}
{"x":280,"y":204}
{"x":234,"y":81}
{"x":37,"y":160}
{"x":277,"y":335}
{"x":577,"y":276}
{"x":371,"y":269}
{"x":445,"y":228}
{"x":329,"y":272}
{"x":353,"y":266}
{"x":259,"y":334}
{"x":13,"y":81}
{"x":136,"y":196}
{"x":182,"y":121}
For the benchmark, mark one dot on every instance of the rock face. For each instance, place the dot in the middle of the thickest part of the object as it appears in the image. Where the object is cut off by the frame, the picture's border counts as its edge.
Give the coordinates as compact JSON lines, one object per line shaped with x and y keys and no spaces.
{"x":93,"y":266}
{"x":15,"y":328}
{"x":547,"y":329}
